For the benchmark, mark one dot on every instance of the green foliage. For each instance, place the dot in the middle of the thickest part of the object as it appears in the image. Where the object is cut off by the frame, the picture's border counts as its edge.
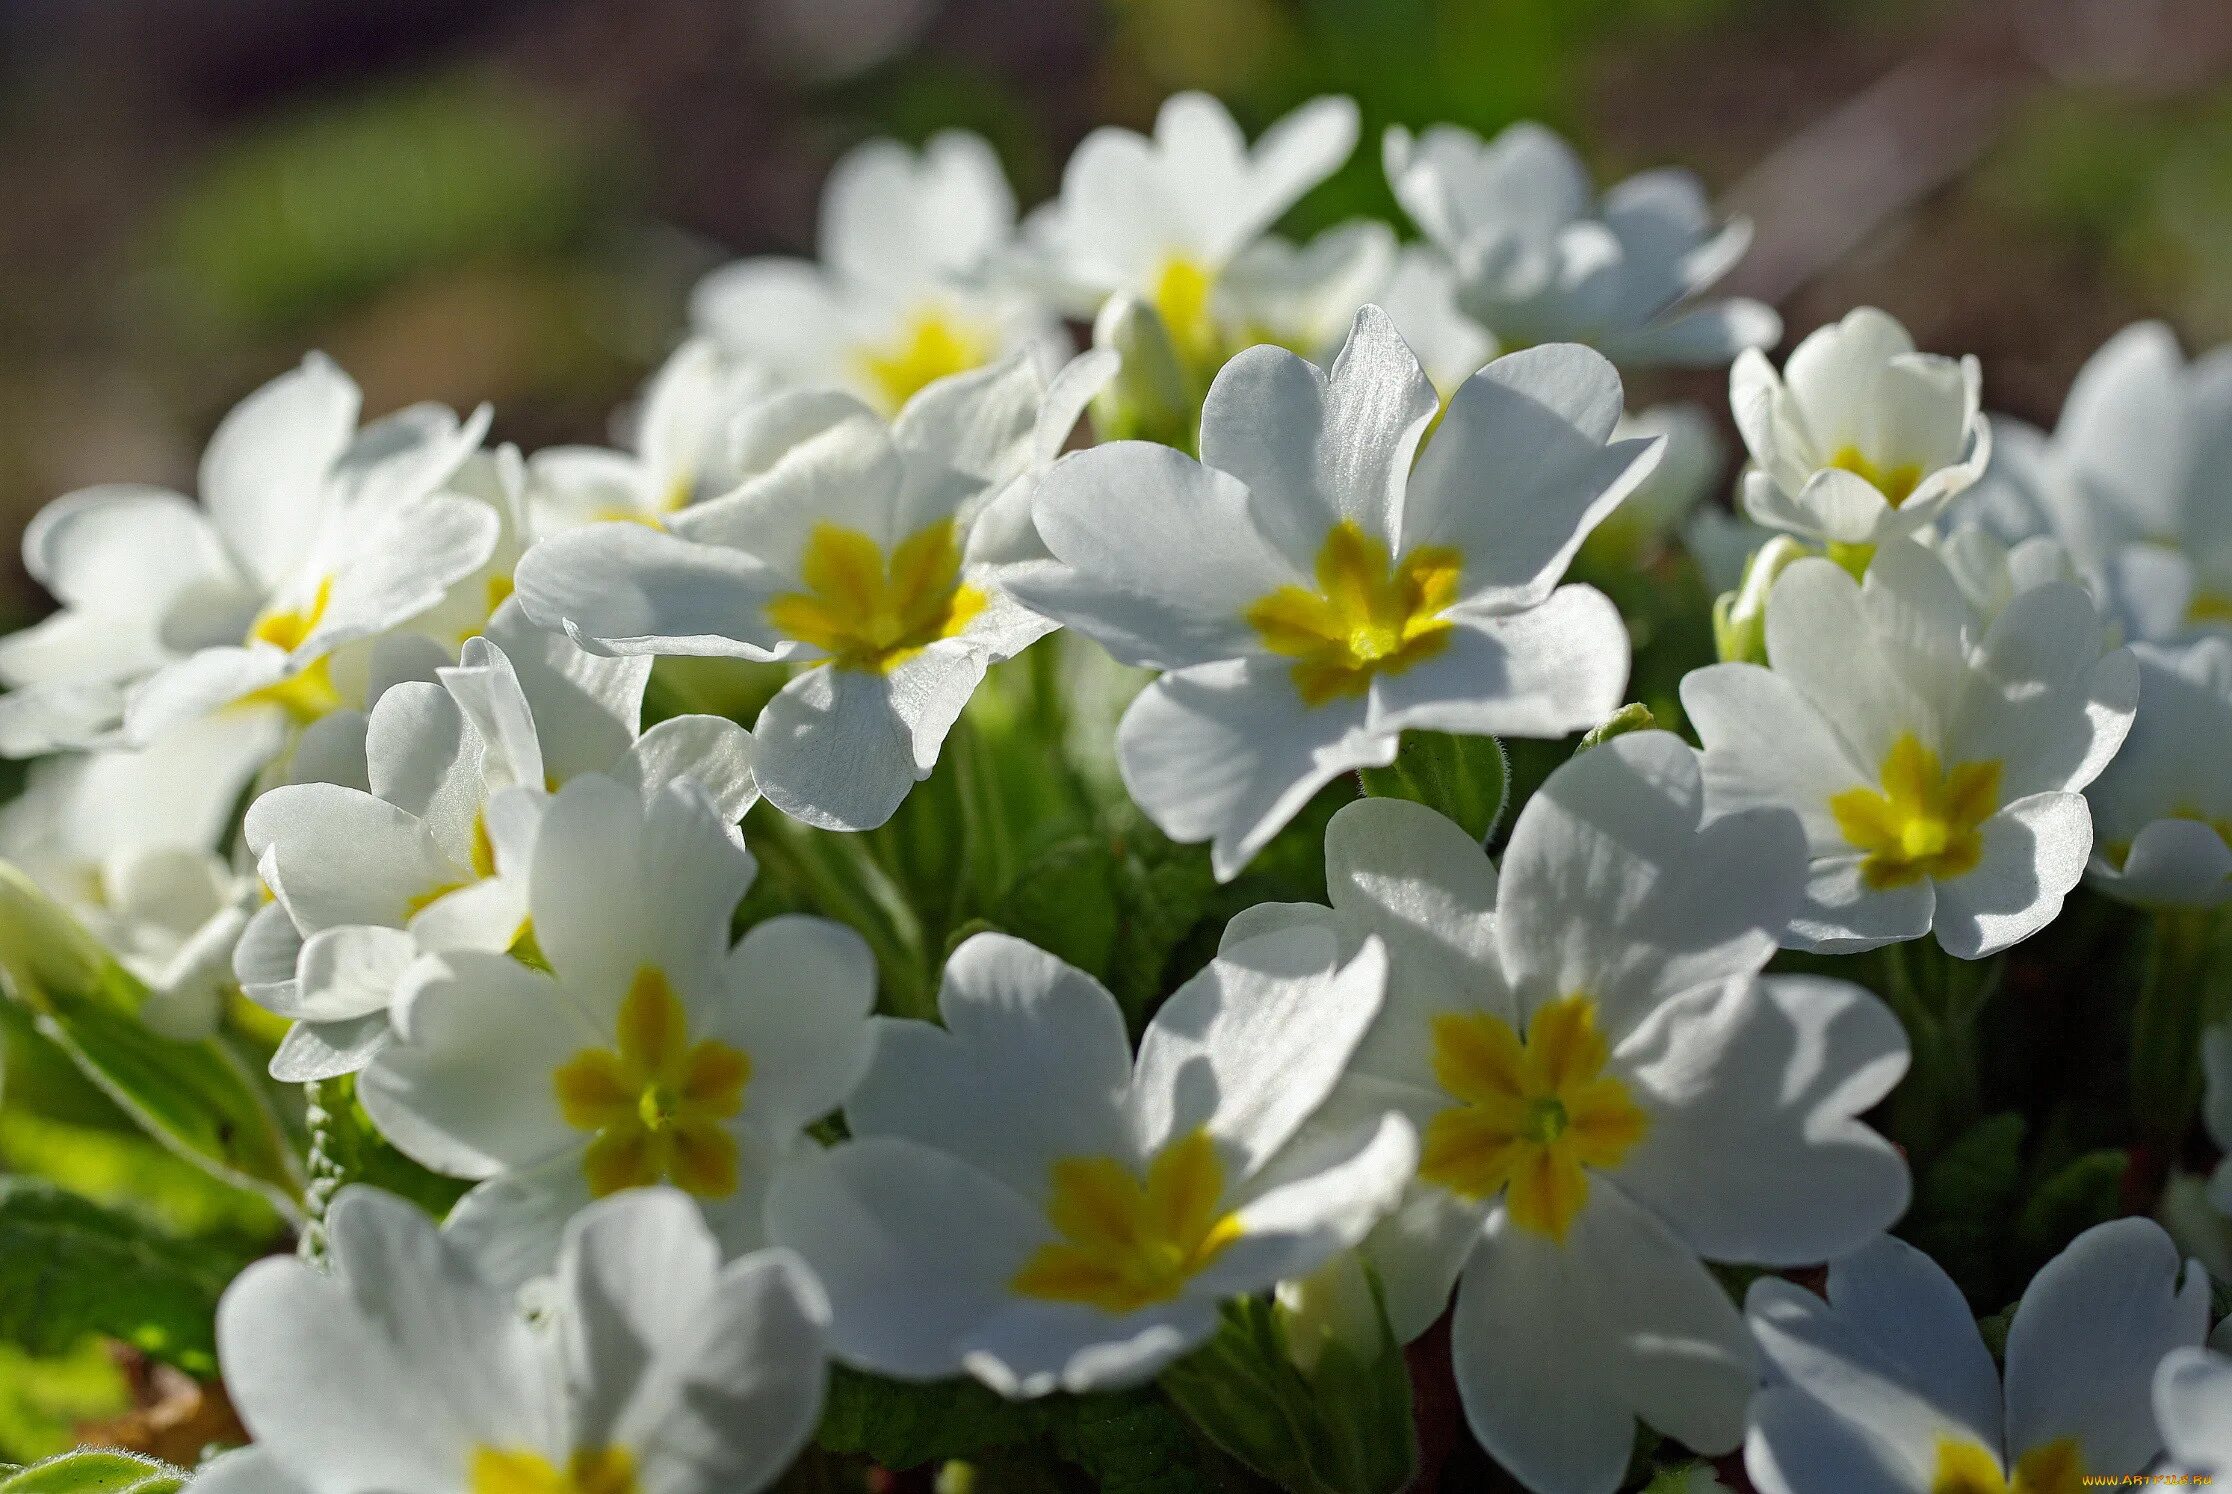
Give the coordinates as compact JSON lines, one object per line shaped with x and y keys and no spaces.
{"x":345,"y":1148}
{"x":69,"y":1268}
{"x":1343,"y":1427}
{"x":1466,"y":778}
{"x":95,"y":1471}
{"x":1134,"y":1442}
{"x":45,"y":1398}
{"x":1633,"y":716}
{"x":1963,"y":1200}
{"x":902,"y":1425}
{"x":2085,"y":1191}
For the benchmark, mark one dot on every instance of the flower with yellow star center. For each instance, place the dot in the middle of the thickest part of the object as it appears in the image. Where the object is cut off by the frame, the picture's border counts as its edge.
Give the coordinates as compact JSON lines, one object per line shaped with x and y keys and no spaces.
{"x":309,"y":693}
{"x":2056,"y":1467}
{"x":1370,"y":614}
{"x":933,"y":346}
{"x":603,"y":1470}
{"x":656,"y":1101}
{"x":1925,"y":822}
{"x":1129,"y":1242}
{"x":871,"y":614}
{"x":1533,"y":1113}
{"x":1896,"y":483}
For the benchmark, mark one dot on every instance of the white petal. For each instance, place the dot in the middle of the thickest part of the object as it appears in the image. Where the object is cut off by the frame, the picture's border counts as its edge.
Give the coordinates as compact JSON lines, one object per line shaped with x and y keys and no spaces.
{"x":2193,"y":1401}
{"x":1795,"y":1445}
{"x":712,"y":752}
{"x":2034,"y":853}
{"x":634,"y":590}
{"x":266,"y":466}
{"x":1541,"y":672}
{"x":1766,"y":745}
{"x":344,"y":857}
{"x":800,"y":991}
{"x":840,"y":747}
{"x":1842,"y":914}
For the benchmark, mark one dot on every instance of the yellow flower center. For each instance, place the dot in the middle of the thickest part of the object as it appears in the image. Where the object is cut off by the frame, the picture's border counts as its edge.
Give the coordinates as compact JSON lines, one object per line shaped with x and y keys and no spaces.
{"x":603,"y":1470}
{"x":1925,"y":822}
{"x":308,"y":693}
{"x":1370,"y":614}
{"x":2056,"y":1467}
{"x":870,"y":615}
{"x":2209,"y":607}
{"x":933,"y":346}
{"x":1126,"y":1242}
{"x":656,"y":1101}
{"x":1896,"y":484}
{"x":1182,"y":295}
{"x":1533,"y":1114}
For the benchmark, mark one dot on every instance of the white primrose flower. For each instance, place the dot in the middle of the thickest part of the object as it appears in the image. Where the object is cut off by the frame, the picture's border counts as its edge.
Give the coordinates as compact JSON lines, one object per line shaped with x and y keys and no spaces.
{"x":1310,"y":593}
{"x":423,"y":841}
{"x":1607,"y":1095}
{"x":1302,"y":297}
{"x":652,"y":1049}
{"x":1025,"y":1200}
{"x":681,"y":446}
{"x":1886,"y":1387}
{"x":2133,"y":481}
{"x":127,"y":841}
{"x":1539,"y":258}
{"x":2163,"y":808}
{"x":1935,"y":760}
{"x":1992,"y":572}
{"x":910,"y":286}
{"x":401,"y":1365}
{"x":1420,"y":298}
{"x":311,"y":536}
{"x":1161,"y":219}
{"x":1860,"y":438}
{"x":2193,"y":1406}
{"x":856,"y":555}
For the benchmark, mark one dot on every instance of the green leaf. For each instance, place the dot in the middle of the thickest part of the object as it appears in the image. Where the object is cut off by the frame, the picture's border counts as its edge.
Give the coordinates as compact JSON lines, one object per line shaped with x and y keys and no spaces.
{"x":2086,"y":1191}
{"x":95,"y":1471}
{"x":902,"y":1425}
{"x":1135,"y":1442}
{"x":1963,"y":1200}
{"x":1465,"y":778}
{"x":69,"y":1267}
{"x":196,"y":1098}
{"x":1064,"y":901}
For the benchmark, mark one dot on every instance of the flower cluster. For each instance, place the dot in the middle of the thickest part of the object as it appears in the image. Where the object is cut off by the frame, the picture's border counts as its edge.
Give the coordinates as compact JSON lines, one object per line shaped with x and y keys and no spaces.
{"x":961,"y":858}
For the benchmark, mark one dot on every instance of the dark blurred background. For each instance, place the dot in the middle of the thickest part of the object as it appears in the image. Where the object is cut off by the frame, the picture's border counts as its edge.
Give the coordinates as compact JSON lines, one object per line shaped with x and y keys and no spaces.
{"x":507,"y":200}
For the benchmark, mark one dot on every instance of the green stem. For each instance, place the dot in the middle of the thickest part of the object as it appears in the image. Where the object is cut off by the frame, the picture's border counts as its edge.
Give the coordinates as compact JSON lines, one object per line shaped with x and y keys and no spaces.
{"x":1939,"y":1001}
{"x":2166,"y":1024}
{"x":840,"y":875}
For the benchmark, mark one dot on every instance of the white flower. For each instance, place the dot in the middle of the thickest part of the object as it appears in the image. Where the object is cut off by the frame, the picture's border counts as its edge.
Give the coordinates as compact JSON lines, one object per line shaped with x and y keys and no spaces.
{"x":1024,"y":1200}
{"x":650,"y":1050}
{"x":1936,"y":761}
{"x":1538,"y":258}
{"x":2163,"y":807}
{"x":1860,"y":438}
{"x":1311,"y":594}
{"x":403,"y":1366}
{"x":1691,"y":462}
{"x":907,"y":290}
{"x":1420,"y":298}
{"x":1302,"y":297}
{"x":681,"y":448}
{"x":2193,"y":1405}
{"x":2133,"y":480}
{"x":127,"y":842}
{"x":854,"y":554}
{"x":1992,"y":572}
{"x":1606,"y":1095}
{"x":313,"y":536}
{"x":424,"y":840}
{"x":1163,"y":218}
{"x":1886,"y":1387}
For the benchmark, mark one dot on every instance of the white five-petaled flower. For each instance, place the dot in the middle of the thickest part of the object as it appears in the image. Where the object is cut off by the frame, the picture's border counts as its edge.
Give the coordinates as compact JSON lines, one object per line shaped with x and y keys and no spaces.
{"x":128,"y":841}
{"x":1311,"y":593}
{"x":403,"y":1365}
{"x":2135,"y":481}
{"x":1860,"y":438}
{"x":1606,"y":1095}
{"x":2193,"y":1406}
{"x":651,"y":1049}
{"x":2162,"y":810}
{"x":1935,"y":760}
{"x":423,"y":839}
{"x":1886,"y":1387}
{"x":856,"y":555}
{"x":1161,"y":219}
{"x":681,"y":446}
{"x":311,"y":536}
{"x":1538,"y":258}
{"x":911,"y":286}
{"x":1025,"y":1200}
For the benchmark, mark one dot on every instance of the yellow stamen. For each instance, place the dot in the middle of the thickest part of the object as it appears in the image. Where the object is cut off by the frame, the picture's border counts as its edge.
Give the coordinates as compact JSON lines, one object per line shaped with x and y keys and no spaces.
{"x":309,"y":692}
{"x":1182,"y":299}
{"x":1128,"y":1243}
{"x":1370,"y":614}
{"x":602,"y":1470}
{"x":1925,"y":822}
{"x":2209,"y":607}
{"x":1896,"y":484}
{"x":655,"y":1100}
{"x":1533,"y":1114}
{"x":933,"y":346}
{"x":1965,"y":1467}
{"x":871,"y":616}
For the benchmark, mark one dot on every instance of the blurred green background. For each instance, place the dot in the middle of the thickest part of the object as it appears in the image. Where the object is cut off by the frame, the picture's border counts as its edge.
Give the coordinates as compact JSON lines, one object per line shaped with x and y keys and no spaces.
{"x":507,"y":200}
